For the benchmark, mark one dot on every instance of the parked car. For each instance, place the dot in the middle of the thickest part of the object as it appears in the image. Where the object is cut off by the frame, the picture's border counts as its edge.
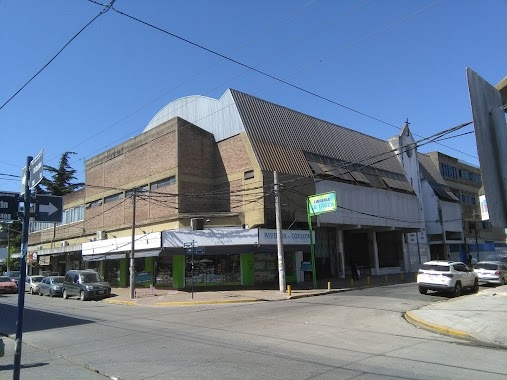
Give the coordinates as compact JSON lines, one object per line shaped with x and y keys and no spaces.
{"x":447,"y":276}
{"x":51,"y":286}
{"x":32,"y":284}
{"x":86,"y":284}
{"x":491,"y":272}
{"x":7,"y":285}
{"x":14,"y":275}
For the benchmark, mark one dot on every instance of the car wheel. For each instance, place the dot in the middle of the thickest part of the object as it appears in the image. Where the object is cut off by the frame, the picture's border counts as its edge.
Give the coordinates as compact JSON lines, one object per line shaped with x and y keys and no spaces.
{"x":40,"y":293}
{"x":31,"y":291}
{"x":423,"y":290}
{"x":82,"y":296}
{"x":51,"y":293}
{"x":502,"y":281}
{"x":65,"y":295}
{"x":457,"y":289}
{"x":475,"y":289}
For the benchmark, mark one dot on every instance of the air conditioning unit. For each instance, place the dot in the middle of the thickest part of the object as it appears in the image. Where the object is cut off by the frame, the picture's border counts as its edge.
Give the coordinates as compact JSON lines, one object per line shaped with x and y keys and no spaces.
{"x":101,"y":235}
{"x":65,"y":243}
{"x":197,"y":223}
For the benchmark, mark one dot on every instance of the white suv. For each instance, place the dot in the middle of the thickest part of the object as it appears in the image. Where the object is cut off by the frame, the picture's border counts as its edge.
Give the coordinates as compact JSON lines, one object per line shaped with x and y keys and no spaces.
{"x":447,"y":276}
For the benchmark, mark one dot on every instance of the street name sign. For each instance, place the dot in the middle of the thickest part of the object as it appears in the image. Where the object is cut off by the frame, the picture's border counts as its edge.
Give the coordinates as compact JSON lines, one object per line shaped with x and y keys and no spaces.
{"x":36,"y":170}
{"x":48,"y":208}
{"x":9,"y":204}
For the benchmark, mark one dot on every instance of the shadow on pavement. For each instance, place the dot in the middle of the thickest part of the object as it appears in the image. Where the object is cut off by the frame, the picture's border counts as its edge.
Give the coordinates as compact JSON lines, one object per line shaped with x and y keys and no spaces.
{"x":35,"y":320}
{"x":10,"y":367}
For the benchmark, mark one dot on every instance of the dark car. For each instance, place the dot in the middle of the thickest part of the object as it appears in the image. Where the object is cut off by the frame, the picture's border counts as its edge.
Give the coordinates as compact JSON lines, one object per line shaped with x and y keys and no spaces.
{"x":14,"y":275}
{"x":51,"y":286}
{"x":85,"y":284}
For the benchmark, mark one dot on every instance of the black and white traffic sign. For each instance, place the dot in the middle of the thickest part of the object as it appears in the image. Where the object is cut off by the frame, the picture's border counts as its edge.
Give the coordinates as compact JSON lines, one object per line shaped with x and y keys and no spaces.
{"x":9,"y":205}
{"x":48,"y":208}
{"x":36,"y":172}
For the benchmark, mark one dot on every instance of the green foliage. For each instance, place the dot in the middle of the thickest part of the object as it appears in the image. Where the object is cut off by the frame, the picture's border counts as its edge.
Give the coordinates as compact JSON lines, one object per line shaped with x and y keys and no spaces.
{"x":62,"y":178}
{"x":11,"y":236}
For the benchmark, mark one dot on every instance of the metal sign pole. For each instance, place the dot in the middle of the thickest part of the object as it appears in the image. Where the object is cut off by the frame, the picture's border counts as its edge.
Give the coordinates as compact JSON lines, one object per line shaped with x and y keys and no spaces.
{"x":193,"y":245}
{"x":312,"y":248}
{"x":22,"y":277}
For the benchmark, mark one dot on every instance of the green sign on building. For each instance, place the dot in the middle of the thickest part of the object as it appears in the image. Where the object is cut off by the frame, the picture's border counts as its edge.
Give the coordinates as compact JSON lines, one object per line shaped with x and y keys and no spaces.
{"x":321,"y":203}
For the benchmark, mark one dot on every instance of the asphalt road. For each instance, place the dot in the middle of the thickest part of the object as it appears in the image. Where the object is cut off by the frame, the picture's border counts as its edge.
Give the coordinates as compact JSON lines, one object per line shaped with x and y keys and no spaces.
{"x":359,"y":334}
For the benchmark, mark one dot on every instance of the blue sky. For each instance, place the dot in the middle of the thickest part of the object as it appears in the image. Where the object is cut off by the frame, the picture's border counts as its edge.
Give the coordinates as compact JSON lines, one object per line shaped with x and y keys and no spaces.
{"x":391,"y":59}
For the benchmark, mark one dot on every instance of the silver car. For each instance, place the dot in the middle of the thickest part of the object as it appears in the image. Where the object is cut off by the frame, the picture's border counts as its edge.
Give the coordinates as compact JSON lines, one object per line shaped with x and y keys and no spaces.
{"x":491,"y":272}
{"x":51,"y":286}
{"x":32,"y":284}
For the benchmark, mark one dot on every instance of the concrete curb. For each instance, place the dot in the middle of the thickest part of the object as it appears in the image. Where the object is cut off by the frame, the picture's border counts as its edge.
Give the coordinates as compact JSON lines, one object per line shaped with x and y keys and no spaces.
{"x":215,"y":302}
{"x":415,"y":320}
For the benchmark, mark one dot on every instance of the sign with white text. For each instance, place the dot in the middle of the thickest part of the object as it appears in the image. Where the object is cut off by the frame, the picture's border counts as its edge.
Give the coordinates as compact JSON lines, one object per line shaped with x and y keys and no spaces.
{"x":321,"y":203}
{"x":9,"y":204}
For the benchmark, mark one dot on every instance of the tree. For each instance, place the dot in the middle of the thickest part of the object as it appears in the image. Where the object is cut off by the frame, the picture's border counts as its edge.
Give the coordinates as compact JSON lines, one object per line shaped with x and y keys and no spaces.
{"x":62,"y":178}
{"x":10,"y":237}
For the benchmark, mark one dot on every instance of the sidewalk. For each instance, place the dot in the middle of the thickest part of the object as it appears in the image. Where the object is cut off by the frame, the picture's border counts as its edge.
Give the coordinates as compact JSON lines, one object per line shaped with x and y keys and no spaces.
{"x":171,"y":297}
{"x":479,"y":317}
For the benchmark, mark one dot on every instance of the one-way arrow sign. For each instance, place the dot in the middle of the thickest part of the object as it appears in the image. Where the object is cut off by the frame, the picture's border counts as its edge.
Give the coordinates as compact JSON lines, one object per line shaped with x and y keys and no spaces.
{"x":48,"y":208}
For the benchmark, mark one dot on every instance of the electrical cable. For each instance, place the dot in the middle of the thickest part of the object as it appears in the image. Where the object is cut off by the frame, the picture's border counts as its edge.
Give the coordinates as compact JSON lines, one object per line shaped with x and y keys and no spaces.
{"x":107,"y":8}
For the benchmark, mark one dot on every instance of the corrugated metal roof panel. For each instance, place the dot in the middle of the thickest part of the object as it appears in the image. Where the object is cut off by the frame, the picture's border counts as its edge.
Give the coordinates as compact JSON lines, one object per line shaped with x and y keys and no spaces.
{"x":430,"y":170}
{"x":281,"y":126}
{"x":431,"y":173}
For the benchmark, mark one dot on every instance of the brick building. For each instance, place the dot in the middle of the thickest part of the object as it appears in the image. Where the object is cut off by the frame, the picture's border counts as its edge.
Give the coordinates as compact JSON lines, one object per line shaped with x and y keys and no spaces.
{"x":212,"y":161}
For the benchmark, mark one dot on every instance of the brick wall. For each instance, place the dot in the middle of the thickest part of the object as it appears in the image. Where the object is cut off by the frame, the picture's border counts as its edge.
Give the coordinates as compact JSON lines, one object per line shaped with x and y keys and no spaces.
{"x":206,"y":174}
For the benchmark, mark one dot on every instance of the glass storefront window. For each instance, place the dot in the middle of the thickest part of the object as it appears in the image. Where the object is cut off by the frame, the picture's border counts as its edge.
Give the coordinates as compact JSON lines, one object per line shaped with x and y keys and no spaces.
{"x":112,"y":272}
{"x":266,"y":268}
{"x":164,"y":271}
{"x":213,"y":270}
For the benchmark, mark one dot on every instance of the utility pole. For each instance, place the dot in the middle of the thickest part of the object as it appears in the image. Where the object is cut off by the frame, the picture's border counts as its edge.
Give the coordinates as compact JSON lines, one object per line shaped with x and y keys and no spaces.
{"x":476,"y":237}
{"x":22,"y":276}
{"x":279,"y":238}
{"x":132,"y":251}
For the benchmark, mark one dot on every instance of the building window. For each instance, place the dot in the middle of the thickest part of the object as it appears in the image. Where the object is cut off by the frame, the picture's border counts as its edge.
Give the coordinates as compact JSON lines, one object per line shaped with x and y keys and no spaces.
{"x":39,"y":226}
{"x":469,"y":176}
{"x":468,"y":198}
{"x":113,"y":198}
{"x":164,"y":182}
{"x":448,"y":171}
{"x":96,"y":203}
{"x":140,"y":189}
{"x":73,"y":215}
{"x":249,"y":174}
{"x":486,"y":226}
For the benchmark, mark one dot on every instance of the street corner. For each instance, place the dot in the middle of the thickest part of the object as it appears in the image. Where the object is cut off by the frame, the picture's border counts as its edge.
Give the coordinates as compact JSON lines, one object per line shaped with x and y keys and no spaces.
{"x":412,"y":317}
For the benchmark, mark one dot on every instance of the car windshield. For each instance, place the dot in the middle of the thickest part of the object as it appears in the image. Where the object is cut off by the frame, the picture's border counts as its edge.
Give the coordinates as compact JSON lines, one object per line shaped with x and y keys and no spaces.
{"x":14,"y":274}
{"x":5,"y":279}
{"x":37,"y":279}
{"x":438,"y":268}
{"x":487,"y":266}
{"x":57,"y":280}
{"x":90,"y":277}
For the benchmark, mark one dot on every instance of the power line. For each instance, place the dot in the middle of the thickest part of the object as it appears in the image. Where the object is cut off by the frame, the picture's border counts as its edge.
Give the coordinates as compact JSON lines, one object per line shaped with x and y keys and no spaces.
{"x":109,"y":6}
{"x":252,"y":68}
